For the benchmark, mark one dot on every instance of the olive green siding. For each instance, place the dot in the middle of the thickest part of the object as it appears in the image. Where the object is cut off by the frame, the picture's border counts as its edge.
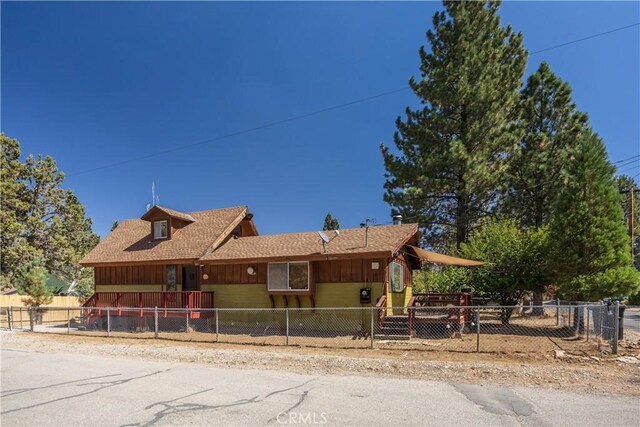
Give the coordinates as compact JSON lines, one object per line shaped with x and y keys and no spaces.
{"x":399,"y":301}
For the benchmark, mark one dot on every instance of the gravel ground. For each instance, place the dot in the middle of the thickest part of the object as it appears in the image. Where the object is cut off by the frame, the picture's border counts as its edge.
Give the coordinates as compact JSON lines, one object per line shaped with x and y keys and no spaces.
{"x":592,"y":374}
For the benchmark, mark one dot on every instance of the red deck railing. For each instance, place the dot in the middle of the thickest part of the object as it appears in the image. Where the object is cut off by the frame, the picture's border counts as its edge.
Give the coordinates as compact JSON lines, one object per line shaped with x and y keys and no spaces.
{"x":191,"y":299}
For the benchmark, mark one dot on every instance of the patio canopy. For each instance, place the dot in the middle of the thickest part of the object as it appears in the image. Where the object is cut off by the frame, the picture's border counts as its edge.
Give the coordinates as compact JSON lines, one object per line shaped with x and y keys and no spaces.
{"x":437,"y":258}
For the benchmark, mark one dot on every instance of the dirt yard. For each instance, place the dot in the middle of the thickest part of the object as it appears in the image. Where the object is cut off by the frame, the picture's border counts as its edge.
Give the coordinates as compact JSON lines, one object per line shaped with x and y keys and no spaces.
{"x":547,"y":368}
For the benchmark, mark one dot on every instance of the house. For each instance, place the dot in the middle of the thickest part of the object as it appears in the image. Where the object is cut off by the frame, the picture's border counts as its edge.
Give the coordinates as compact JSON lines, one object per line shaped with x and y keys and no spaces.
{"x":219,"y":252}
{"x":217,"y":259}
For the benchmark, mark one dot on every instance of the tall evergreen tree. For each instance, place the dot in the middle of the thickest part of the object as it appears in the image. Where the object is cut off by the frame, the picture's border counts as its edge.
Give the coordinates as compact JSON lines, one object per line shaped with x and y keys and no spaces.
{"x":39,"y":218}
{"x":453,"y":149}
{"x":551,"y":128}
{"x":588,"y":229}
{"x":330,"y":222}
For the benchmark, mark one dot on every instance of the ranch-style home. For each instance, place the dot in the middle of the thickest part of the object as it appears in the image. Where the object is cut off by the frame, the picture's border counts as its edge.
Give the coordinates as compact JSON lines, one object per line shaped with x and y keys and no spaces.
{"x":217,"y":259}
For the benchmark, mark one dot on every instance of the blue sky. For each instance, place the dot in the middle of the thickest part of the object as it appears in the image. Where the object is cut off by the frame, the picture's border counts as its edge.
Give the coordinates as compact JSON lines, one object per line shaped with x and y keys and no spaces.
{"x":93,"y":84}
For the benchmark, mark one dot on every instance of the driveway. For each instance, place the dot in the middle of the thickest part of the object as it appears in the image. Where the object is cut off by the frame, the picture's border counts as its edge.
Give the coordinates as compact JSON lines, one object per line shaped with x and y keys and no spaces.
{"x":65,"y":389}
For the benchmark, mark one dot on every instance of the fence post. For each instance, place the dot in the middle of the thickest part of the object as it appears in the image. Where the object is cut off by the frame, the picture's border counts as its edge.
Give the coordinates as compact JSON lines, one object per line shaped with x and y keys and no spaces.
{"x":616,"y":326}
{"x":21,"y":324}
{"x":587,"y":312}
{"x":155,"y":321}
{"x":372,"y":330}
{"x":108,"y":322}
{"x":68,"y":321}
{"x":217,"y":326}
{"x":187,"y":330}
{"x":286,"y":312}
{"x":10,"y":317}
{"x":31,"y":318}
{"x":557,"y":311}
{"x":478,"y":330}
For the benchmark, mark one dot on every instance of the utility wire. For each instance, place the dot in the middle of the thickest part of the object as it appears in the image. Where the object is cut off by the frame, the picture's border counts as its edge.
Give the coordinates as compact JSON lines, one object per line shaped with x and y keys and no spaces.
{"x":306,"y":115}
{"x":585,"y":38}
{"x":629,"y":158}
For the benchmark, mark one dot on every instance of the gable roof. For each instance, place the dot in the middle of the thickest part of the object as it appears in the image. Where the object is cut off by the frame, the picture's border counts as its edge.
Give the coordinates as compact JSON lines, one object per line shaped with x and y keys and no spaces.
{"x":151,"y":213}
{"x":131,"y":241}
{"x":382,"y":241}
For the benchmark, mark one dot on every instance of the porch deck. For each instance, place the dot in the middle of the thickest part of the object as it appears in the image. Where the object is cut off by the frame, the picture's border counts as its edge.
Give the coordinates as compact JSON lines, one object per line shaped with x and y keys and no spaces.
{"x":143,"y":304}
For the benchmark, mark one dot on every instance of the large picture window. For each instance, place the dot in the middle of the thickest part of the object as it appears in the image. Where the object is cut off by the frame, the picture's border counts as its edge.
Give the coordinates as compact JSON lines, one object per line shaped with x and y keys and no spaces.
{"x":289,"y":276}
{"x":396,"y":277}
{"x":160,"y":230}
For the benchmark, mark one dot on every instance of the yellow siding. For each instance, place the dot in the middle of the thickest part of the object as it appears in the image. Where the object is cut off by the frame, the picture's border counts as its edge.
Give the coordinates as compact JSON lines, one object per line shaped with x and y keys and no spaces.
{"x":399,"y":299}
{"x":129,"y":288}
{"x":345,"y":294}
{"x":239,"y":296}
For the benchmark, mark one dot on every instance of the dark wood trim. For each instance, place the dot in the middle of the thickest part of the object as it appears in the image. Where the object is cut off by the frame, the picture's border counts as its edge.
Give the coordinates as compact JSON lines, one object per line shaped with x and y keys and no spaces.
{"x":314,"y":257}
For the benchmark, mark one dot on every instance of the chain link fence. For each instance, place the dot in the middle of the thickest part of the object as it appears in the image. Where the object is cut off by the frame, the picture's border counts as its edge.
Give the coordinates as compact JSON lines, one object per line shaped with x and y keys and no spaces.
{"x":575,"y":329}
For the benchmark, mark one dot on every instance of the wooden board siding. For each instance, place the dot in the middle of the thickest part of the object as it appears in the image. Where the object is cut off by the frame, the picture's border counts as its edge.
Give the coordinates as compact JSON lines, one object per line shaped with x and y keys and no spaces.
{"x":333,"y":271}
{"x":134,"y":275}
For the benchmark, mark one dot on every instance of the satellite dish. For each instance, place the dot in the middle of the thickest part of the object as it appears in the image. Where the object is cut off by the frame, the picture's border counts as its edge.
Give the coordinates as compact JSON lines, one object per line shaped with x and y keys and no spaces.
{"x":324,"y":237}
{"x":337,"y":233}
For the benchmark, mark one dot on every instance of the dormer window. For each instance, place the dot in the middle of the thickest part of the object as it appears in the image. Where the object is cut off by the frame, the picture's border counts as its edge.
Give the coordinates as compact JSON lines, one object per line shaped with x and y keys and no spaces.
{"x":160,"y":229}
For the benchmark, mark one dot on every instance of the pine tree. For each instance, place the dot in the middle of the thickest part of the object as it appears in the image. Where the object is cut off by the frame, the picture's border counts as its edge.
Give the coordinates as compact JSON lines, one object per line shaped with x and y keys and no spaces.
{"x":592,"y":254}
{"x":330,"y":223}
{"x":551,"y":131}
{"x":453,"y":149}
{"x":31,"y":281}
{"x":40,"y":219}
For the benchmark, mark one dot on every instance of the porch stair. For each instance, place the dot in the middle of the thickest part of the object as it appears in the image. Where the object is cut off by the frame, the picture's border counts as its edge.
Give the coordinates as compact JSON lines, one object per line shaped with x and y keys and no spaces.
{"x":394,"y":328}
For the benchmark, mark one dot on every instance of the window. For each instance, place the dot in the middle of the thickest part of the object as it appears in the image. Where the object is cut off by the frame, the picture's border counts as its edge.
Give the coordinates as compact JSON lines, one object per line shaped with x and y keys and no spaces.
{"x":171,"y":278}
{"x":396,"y":277}
{"x":160,"y":230}
{"x":289,"y":276}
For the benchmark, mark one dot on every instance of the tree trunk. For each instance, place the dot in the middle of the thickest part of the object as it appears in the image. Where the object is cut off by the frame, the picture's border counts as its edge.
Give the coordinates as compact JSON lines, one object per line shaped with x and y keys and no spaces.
{"x":538,"y":309}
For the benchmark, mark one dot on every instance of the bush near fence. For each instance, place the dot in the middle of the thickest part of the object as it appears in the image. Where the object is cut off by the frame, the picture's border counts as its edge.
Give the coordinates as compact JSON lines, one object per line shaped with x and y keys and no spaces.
{"x":578,"y":329}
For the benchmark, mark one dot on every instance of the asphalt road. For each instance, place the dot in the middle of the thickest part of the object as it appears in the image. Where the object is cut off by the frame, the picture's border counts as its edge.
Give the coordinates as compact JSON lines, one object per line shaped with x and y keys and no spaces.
{"x":632,"y":319}
{"x":64,"y":389}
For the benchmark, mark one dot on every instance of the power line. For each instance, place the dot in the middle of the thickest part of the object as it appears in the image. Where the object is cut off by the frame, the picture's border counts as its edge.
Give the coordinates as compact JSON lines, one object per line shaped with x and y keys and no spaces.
{"x":241,"y":132}
{"x":629,"y":158}
{"x":585,"y":38}
{"x":306,"y":115}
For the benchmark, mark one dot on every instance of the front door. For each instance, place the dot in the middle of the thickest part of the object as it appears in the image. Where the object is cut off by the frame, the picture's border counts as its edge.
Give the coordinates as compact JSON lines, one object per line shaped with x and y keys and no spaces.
{"x":189,"y":278}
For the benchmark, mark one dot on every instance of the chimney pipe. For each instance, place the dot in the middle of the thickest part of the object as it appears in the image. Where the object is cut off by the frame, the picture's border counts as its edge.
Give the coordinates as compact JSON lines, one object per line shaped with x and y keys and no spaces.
{"x":397,"y":219}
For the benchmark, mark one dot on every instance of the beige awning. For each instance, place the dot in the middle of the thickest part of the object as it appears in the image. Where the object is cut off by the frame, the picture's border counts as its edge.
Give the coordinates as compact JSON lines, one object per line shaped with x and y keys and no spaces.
{"x":437,"y":258}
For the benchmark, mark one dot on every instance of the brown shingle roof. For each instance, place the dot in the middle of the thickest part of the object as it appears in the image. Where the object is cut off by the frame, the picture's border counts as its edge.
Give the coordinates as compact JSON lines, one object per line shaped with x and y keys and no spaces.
{"x":131,"y":241}
{"x":169,"y":212}
{"x":381,"y":240}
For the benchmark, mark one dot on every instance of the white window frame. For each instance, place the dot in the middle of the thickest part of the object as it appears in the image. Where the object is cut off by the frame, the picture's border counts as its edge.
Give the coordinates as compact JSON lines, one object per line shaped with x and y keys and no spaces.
{"x":289,"y":288}
{"x":159,"y":227}
{"x":392,"y":284}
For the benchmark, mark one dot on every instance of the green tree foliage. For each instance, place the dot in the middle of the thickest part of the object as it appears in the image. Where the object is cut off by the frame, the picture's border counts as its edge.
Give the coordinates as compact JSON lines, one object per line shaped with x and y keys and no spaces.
{"x":39,"y":218}
{"x":593,"y":258}
{"x":453,"y":149}
{"x":330,"y":223}
{"x":446,"y":279}
{"x":551,"y":128}
{"x":517,"y":261}
{"x":32,"y":282}
{"x":114,"y":225}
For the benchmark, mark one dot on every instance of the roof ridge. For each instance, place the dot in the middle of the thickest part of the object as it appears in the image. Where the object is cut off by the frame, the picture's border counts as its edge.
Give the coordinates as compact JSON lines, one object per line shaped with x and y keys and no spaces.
{"x":340,"y":230}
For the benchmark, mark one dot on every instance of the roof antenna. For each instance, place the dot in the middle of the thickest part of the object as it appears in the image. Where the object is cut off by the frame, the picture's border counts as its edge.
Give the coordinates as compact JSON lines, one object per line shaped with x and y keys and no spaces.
{"x":326,"y":240}
{"x":366,"y":224}
{"x":154,"y":198}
